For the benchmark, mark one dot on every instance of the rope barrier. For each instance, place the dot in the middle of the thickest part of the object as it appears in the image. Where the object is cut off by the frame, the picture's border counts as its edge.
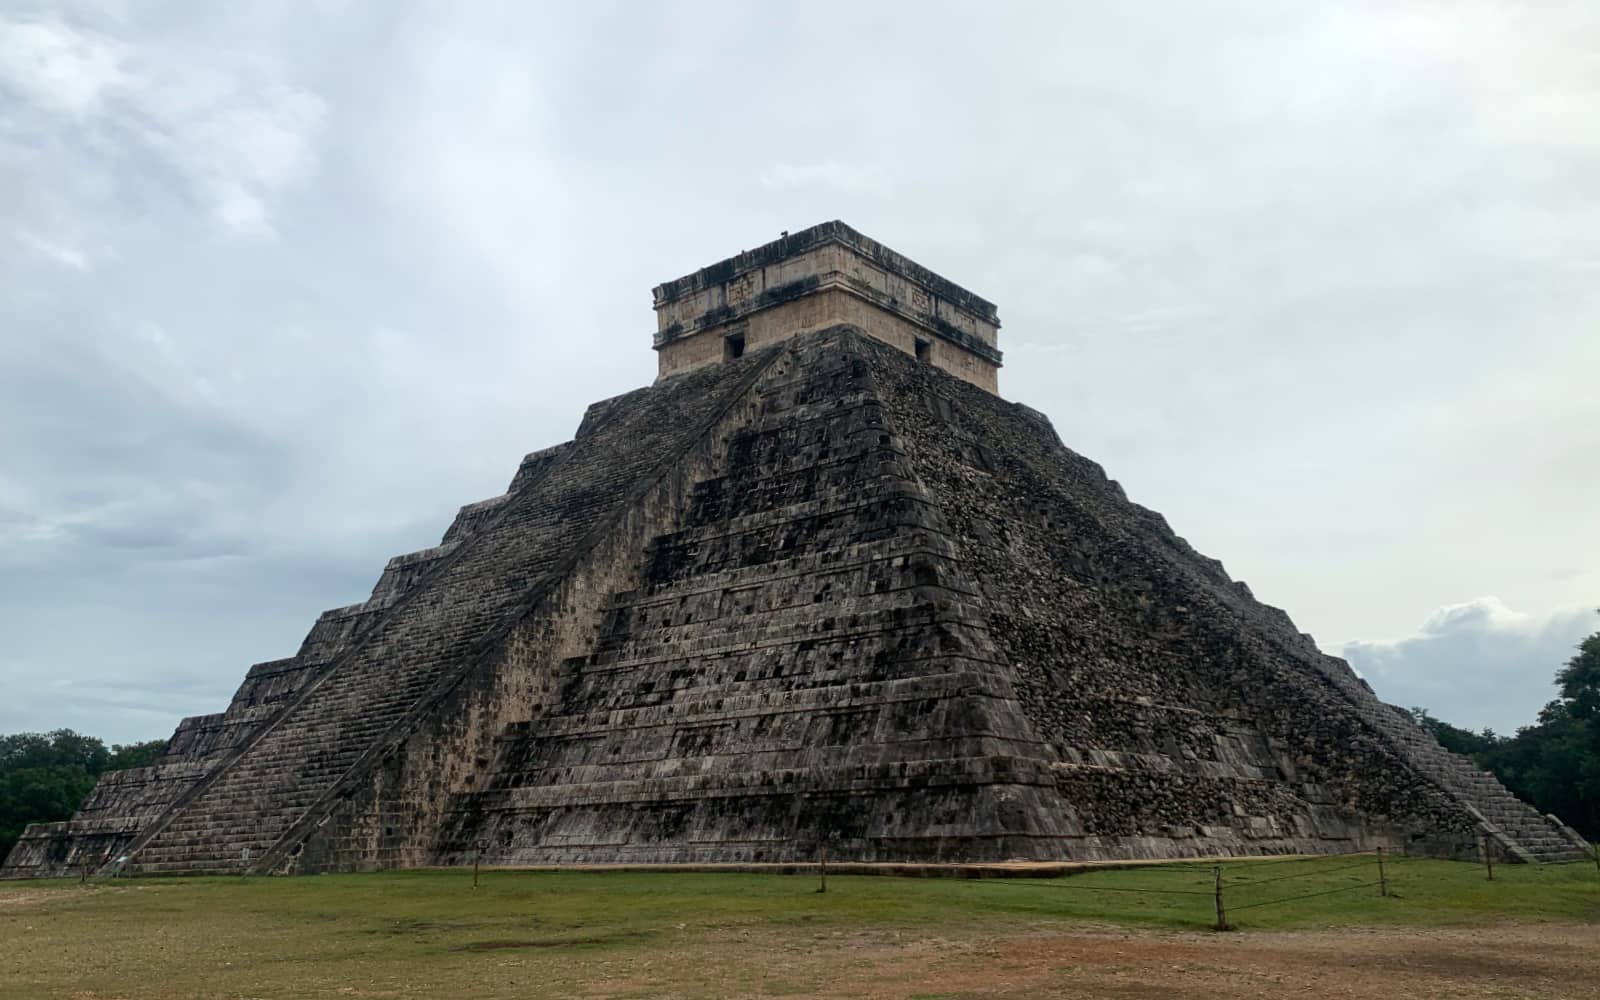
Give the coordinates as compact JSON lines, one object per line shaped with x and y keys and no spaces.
{"x":1057,"y":884}
{"x":1463,"y":869}
{"x":1242,"y":877}
{"x":1409,"y":858}
{"x":1308,"y":895}
{"x":1290,"y":861}
{"x":1312,"y":874}
{"x":1205,"y":865}
{"x":1262,"y":861}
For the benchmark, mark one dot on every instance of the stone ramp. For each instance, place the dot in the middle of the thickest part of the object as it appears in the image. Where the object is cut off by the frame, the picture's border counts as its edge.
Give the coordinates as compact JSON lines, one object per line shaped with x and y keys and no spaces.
{"x":438,"y":621}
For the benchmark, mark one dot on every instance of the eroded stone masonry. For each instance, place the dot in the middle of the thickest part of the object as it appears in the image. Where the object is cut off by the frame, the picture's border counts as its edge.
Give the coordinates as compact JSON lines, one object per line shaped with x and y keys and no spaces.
{"x":819,"y":584}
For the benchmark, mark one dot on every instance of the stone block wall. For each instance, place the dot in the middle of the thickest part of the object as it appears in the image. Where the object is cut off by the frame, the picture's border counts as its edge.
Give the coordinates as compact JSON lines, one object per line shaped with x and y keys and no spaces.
{"x":824,"y":276}
{"x":790,"y":667}
{"x":429,"y":626}
{"x":126,"y":804}
{"x":631,"y":457}
{"x":1150,"y":671}
{"x":824,"y":594}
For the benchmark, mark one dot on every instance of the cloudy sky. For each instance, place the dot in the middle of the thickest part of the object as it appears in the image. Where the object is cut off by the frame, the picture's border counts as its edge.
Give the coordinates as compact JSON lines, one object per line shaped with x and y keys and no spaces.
{"x":282,"y":285}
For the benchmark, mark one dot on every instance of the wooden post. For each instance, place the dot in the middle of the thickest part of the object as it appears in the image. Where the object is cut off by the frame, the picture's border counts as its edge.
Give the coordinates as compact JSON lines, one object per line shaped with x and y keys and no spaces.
{"x":1488,"y":859}
{"x":1383,"y":882}
{"x":1222,"y":914}
{"x":822,"y":867}
{"x":477,"y":860}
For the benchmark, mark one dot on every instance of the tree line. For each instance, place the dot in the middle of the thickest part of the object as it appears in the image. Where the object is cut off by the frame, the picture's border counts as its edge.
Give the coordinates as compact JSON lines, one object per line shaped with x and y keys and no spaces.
{"x":44,"y":777}
{"x":1554,"y":763}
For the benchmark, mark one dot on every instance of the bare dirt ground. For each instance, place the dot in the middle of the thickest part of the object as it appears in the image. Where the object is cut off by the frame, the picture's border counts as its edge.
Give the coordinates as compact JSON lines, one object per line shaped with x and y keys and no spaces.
{"x":1500,"y":962}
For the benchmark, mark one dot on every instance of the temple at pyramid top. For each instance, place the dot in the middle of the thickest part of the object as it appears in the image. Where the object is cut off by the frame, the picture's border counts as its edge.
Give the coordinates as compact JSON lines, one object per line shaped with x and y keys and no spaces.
{"x":819,"y":277}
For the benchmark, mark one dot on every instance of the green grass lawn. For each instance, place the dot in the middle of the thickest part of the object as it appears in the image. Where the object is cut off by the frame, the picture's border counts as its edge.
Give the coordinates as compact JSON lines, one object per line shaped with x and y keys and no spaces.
{"x":428,"y":932}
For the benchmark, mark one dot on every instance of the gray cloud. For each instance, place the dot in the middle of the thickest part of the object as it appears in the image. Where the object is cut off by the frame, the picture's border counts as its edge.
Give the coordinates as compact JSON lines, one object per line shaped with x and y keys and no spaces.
{"x":223,"y":127}
{"x":285,"y":287}
{"x":1475,"y":664}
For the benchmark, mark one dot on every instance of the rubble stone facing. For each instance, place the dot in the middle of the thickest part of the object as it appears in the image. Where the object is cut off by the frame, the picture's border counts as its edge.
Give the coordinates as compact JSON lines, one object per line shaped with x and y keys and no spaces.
{"x":1188,"y":718}
{"x":822,"y":594}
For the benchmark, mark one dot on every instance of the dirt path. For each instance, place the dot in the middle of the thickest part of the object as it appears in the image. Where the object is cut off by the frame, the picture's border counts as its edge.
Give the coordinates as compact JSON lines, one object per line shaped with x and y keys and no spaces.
{"x":1501,"y":962}
{"x":1524,"y":961}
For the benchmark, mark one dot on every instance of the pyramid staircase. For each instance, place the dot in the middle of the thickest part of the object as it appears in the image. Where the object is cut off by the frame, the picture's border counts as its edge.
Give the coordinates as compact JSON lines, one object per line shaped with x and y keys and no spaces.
{"x":443,"y":611}
{"x":1520,"y":830}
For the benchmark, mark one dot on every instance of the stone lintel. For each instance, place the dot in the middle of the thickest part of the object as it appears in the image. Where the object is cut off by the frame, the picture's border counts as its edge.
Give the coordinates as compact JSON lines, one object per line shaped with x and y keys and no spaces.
{"x":819,"y":277}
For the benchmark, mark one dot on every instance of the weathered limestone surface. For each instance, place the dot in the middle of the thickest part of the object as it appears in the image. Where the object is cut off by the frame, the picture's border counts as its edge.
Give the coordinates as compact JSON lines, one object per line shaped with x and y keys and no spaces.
{"x":125,"y":803}
{"x":901,"y":619}
{"x":383,"y":684}
{"x":1185,"y":714}
{"x":821,"y":594}
{"x":825,"y":276}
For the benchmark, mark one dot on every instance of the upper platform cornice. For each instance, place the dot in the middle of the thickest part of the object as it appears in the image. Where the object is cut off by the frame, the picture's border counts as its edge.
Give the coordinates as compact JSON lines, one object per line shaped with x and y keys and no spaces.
{"x":793,"y":244}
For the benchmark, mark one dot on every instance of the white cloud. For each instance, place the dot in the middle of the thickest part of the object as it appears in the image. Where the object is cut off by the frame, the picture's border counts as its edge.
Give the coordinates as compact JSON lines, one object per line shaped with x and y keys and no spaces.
{"x":60,"y":253}
{"x":1475,"y":664}
{"x":1314,"y":281}
{"x":224,"y":122}
{"x":237,"y":139}
{"x":847,"y":178}
{"x":57,"y":67}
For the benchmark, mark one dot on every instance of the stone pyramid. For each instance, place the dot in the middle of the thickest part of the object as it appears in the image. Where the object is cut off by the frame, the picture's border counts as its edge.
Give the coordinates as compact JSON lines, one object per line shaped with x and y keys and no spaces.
{"x":817,"y":585}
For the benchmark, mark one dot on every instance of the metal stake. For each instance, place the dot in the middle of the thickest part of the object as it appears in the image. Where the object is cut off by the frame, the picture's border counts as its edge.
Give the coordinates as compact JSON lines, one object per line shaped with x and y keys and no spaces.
{"x":1488,"y":859}
{"x":1383,"y":882}
{"x":1222,"y":914}
{"x":822,"y":867}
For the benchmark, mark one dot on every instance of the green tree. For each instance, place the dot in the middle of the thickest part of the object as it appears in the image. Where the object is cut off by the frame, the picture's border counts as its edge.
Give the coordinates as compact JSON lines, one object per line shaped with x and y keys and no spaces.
{"x":1454,"y":738}
{"x":44,"y":777}
{"x":1553,"y":764}
{"x":1580,"y":681}
{"x":60,"y":749}
{"x":136,"y":754}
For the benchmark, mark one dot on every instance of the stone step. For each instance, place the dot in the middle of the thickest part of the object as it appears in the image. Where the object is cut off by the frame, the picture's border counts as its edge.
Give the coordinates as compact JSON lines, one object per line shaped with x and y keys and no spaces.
{"x":909,"y":612}
{"x":736,"y":763}
{"x":493,"y":554}
{"x":707,"y":702}
{"x":929,"y":772}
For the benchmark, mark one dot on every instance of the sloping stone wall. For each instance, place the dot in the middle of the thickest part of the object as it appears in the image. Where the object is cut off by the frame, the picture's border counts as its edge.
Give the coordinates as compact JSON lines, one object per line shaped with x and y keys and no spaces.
{"x":1135,"y":701}
{"x":634,"y":453}
{"x":823,"y":594}
{"x":124,"y":804}
{"x":375,"y":690}
{"x":1186,"y":713}
{"x":792,"y":665}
